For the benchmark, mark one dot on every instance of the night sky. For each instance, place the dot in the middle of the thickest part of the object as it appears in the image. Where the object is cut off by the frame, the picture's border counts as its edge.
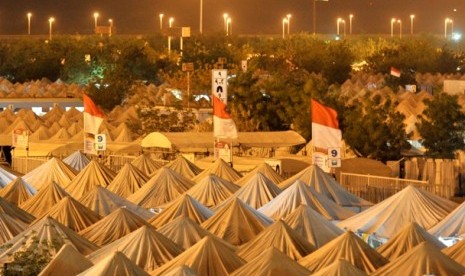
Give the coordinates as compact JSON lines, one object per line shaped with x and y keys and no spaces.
{"x":248,"y":16}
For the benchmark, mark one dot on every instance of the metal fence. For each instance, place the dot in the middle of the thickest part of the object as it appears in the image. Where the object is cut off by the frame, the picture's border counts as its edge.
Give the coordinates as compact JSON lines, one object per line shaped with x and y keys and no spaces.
{"x":26,"y":164}
{"x":377,"y":188}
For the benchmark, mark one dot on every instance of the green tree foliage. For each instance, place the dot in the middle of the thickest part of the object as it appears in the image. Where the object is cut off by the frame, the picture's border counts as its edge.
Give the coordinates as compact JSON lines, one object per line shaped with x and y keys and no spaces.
{"x":374,"y":129}
{"x":442,"y":126}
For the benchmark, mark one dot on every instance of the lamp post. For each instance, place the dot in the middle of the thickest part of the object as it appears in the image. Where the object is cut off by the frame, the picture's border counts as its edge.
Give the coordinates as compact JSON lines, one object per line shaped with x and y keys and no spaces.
{"x":344,"y":22}
{"x":412,"y":16}
{"x":393,"y":20}
{"x":161,"y":21}
{"x":285,"y":21}
{"x":225,"y":21}
{"x":351,"y":16}
{"x":446,"y":22}
{"x":400,"y":27}
{"x":96,"y":15}
{"x":229,"y":26}
{"x":50,"y":22}
{"x":201,"y":15}
{"x":29,"y":15}
{"x":111,"y":26}
{"x":339,"y":20}
{"x":170,"y":24}
{"x":288,"y":16}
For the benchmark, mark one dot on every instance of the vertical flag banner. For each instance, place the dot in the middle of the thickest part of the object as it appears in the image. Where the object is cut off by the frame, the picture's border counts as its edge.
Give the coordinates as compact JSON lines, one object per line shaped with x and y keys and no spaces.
{"x":93,"y":118}
{"x":223,"y":124}
{"x":325,"y":133}
{"x":395,"y":72}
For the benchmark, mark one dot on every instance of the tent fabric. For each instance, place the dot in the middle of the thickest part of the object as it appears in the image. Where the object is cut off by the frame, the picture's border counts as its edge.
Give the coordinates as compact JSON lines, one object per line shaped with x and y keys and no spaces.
{"x":94,"y":174}
{"x":236,"y":223}
{"x":146,"y":164}
{"x":340,"y":268}
{"x":184,"y":232}
{"x":104,"y":202}
{"x":312,"y":226}
{"x":68,"y":261}
{"x":424,"y":259}
{"x":324,"y":184}
{"x":46,"y":231}
{"x":128,"y":180}
{"x":271,"y":262}
{"x":256,"y":192}
{"x":77,"y":160}
{"x":15,"y":212}
{"x":17,"y":191}
{"x":44,"y":200}
{"x":184,"y":206}
{"x":212,"y":190}
{"x":145,"y":247}
{"x":456,"y":252}
{"x":6,"y":177}
{"x":299,"y":193}
{"x":52,"y":170}
{"x":61,"y":135}
{"x":181,"y":270}
{"x":114,"y":226}
{"x":165,"y":186}
{"x":264,"y":169}
{"x":208,"y":257}
{"x":392,"y":214}
{"x":452,"y":225}
{"x":409,"y":237}
{"x":71,"y":214}
{"x":9,"y":227}
{"x":221,"y":169}
{"x":115,"y":264}
{"x":348,"y":247}
{"x":184,"y":167}
{"x":280,"y":236}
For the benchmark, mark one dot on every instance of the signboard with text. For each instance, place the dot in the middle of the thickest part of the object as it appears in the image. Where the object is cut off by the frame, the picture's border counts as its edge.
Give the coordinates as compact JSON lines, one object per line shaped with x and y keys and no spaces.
{"x":219,"y":84}
{"x":20,"y":138}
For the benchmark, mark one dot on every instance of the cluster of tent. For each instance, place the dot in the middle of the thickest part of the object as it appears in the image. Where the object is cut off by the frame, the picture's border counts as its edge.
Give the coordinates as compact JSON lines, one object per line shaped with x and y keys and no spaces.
{"x":177,"y":219}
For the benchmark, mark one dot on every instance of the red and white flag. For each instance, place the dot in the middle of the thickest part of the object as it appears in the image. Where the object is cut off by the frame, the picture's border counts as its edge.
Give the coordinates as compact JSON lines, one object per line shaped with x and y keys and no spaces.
{"x":325,"y":127}
{"x":223,"y":124}
{"x":395,"y":72}
{"x":93,"y":116}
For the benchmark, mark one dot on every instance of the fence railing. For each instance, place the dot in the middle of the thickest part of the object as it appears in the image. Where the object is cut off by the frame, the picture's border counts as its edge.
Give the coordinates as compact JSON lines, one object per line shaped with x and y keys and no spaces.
{"x":377,"y":188}
{"x":26,"y":164}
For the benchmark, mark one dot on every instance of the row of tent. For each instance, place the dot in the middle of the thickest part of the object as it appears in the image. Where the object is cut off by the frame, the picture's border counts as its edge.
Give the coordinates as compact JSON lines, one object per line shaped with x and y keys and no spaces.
{"x":218,"y":222}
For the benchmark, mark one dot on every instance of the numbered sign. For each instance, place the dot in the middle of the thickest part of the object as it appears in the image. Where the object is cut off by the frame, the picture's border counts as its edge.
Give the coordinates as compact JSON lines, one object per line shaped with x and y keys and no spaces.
{"x":219,"y":84}
{"x":334,"y":152}
{"x":100,"y":142}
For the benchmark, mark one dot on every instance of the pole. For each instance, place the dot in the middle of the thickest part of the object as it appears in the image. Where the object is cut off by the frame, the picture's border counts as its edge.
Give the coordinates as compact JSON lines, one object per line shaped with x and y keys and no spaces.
{"x":188,"y":90}
{"x":400,"y":28}
{"x":29,"y":23}
{"x":284,"y":22}
{"x":314,"y":17}
{"x":337,"y":26}
{"x":201,"y":15}
{"x":180,"y":45}
{"x":169,"y":45}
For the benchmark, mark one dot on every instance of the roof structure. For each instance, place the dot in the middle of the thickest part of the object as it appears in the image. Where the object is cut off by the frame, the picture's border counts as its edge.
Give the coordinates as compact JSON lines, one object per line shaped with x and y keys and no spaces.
{"x":184,"y":232}
{"x":452,"y":225}
{"x":77,"y":160}
{"x":116,"y":263}
{"x":221,"y":169}
{"x":44,"y":200}
{"x":212,"y":190}
{"x":456,"y":252}
{"x":68,"y":261}
{"x":128,"y":180}
{"x":6,"y":177}
{"x":10,"y":227}
{"x":264,"y":169}
{"x":184,"y":167}
{"x":52,"y":170}
{"x":182,"y":270}
{"x":340,"y":268}
{"x":146,"y":164}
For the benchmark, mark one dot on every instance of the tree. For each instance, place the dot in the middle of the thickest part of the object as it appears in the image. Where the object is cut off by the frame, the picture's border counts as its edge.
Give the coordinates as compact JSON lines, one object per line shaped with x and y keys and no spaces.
{"x":442,"y":126}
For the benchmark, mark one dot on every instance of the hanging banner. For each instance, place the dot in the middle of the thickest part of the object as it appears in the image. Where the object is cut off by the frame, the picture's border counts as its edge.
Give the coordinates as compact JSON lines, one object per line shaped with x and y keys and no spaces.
{"x":219,"y":84}
{"x":20,"y":138}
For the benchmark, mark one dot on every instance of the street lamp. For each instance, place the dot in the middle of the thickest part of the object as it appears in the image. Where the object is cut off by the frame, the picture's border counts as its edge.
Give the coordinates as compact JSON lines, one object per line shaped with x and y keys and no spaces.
{"x":111,"y":26}
{"x":161,"y":21}
{"x":225,"y":21}
{"x":288,"y":16}
{"x":351,"y":16}
{"x":412,"y":16}
{"x":201,"y":15}
{"x":285,"y":21}
{"x":170,"y":24}
{"x":29,"y":15}
{"x":393,"y":20}
{"x":96,"y":15}
{"x":344,"y":22}
{"x":50,"y":21}
{"x":339,"y":20}
{"x":229,"y":26}
{"x":400,"y":27}
{"x":447,"y":21}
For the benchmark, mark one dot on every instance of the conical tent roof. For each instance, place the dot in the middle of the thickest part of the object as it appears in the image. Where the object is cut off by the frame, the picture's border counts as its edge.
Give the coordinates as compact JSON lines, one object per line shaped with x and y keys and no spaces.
{"x":145,"y":247}
{"x":183,"y":206}
{"x":54,"y":128}
{"x":94,"y":174}
{"x":326,"y":185}
{"x":212,"y":190}
{"x":10,"y":227}
{"x":456,"y":252}
{"x":236,"y":223}
{"x":46,"y":231}
{"x":452,"y":225}
{"x":411,"y":236}
{"x":348,"y":247}
{"x":74,"y":129}
{"x":40,"y":134}
{"x":181,"y":270}
{"x":280,"y":236}
{"x":264,"y":169}
{"x":6,"y":177}
{"x":17,"y":191}
{"x":124,"y":136}
{"x":271,"y":262}
{"x":68,"y":261}
{"x":312,"y":226}
{"x":52,"y":170}
{"x":15,"y":212}
{"x":424,"y":259}
{"x":64,"y":121}
{"x":71,"y":214}
{"x":18,"y":123}
{"x":256,"y":192}
{"x":128,"y":180}
{"x":208,"y":257}
{"x":184,"y":232}
{"x":115,"y":264}
{"x":299,"y":193}
{"x":44,"y":200}
{"x":392,"y":214}
{"x":113,"y":227}
{"x":340,"y":268}
{"x":164,"y":186}
{"x":184,"y":167}
{"x":103,"y":202}
{"x":146,"y":164}
{"x":221,"y":169}
{"x":72,"y":112}
{"x":77,"y":161}
{"x":62,"y":134}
